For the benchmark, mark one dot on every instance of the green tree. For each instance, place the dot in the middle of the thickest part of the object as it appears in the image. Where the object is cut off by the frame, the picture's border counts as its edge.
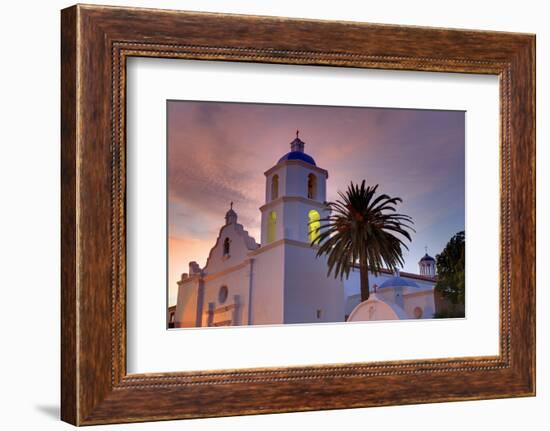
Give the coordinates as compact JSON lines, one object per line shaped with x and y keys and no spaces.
{"x":450,"y":270}
{"x":363,"y":229}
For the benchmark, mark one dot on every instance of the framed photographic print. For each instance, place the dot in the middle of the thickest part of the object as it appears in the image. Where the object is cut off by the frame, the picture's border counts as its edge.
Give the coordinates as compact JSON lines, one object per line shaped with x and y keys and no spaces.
{"x":307,"y":223}
{"x":290,"y":207}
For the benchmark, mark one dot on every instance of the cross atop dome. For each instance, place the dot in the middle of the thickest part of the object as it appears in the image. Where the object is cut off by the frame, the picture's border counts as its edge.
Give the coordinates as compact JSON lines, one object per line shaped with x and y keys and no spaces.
{"x":297,"y":144}
{"x":297,"y":151}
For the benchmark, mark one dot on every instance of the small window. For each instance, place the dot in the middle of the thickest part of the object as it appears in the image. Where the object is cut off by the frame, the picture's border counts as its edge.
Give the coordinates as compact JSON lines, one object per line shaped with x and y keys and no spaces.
{"x":311,"y":186}
{"x":222,"y":294}
{"x":226,"y":246}
{"x":275,"y":187}
{"x":271,"y":226}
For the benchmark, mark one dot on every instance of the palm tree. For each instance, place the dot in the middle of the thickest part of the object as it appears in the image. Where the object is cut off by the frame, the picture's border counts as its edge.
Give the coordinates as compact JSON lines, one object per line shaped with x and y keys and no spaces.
{"x":363,"y":229}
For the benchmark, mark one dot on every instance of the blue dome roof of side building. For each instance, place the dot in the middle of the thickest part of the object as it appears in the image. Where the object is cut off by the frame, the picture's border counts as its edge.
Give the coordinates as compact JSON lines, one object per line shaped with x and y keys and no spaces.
{"x":397,"y":282}
{"x":297,"y":152}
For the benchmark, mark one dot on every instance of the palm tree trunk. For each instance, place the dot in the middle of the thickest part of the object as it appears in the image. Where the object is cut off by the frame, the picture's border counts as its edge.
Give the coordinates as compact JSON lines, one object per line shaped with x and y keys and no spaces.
{"x":364,"y":277}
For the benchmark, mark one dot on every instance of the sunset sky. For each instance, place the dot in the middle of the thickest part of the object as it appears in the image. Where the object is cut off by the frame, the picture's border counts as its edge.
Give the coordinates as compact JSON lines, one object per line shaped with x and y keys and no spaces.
{"x":218,"y":152}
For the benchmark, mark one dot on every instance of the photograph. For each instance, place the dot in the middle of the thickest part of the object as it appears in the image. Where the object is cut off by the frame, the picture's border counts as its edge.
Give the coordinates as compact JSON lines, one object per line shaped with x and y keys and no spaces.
{"x":302,"y":214}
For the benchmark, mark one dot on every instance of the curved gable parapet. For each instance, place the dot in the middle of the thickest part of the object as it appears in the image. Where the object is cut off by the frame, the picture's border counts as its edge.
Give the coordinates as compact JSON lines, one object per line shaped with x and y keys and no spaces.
{"x":240,"y":243}
{"x":376,"y":308}
{"x":250,"y":242}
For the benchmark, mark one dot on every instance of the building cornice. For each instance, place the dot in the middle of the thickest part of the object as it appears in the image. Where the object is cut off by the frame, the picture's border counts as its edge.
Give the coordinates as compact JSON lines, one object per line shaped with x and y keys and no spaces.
{"x":209,"y":277}
{"x":247,"y":262}
{"x":404,"y":274}
{"x":189,"y":279}
{"x":312,"y":202}
{"x":279,"y":242}
{"x":297,"y":163}
{"x":418,"y":292}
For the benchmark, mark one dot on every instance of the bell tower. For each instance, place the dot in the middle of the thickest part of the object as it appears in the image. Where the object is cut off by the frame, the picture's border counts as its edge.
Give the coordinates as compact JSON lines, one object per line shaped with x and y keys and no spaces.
{"x":295,"y":196}
{"x":295,"y":204}
{"x":426,"y":265}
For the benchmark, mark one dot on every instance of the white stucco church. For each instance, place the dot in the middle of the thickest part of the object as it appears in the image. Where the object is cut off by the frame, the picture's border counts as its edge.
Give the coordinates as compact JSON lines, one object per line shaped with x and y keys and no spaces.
{"x":281,"y":280}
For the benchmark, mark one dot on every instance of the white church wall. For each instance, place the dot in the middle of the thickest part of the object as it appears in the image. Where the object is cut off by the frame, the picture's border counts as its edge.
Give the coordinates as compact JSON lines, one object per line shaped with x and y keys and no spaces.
{"x":424,"y":300}
{"x":189,"y":293}
{"x":236,"y":281}
{"x":267,"y":285}
{"x":291,"y":220}
{"x":295,"y":215}
{"x":310,"y":296}
{"x":390,"y":294}
{"x":296,"y":180}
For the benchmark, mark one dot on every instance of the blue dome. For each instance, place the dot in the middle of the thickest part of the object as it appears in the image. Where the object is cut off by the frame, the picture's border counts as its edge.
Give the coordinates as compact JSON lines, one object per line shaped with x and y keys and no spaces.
{"x":397,"y":282}
{"x":427,"y":258}
{"x":298,"y":155}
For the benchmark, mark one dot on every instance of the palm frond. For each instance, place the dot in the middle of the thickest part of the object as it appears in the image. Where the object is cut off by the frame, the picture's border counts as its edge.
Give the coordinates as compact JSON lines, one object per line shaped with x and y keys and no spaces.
{"x":363,"y":228}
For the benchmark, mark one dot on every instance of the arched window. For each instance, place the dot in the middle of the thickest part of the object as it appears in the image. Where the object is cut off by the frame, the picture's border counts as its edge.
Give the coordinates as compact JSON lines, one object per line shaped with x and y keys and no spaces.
{"x":311,"y":186}
{"x":271,"y":226}
{"x":222,"y":294}
{"x":275,"y":187}
{"x":314,"y":224}
{"x":226,"y":246}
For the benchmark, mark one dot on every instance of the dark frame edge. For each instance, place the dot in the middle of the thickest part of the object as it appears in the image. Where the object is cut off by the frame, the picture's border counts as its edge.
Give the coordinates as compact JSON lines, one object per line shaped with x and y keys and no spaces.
{"x":69,"y":355}
{"x":528,"y":61}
